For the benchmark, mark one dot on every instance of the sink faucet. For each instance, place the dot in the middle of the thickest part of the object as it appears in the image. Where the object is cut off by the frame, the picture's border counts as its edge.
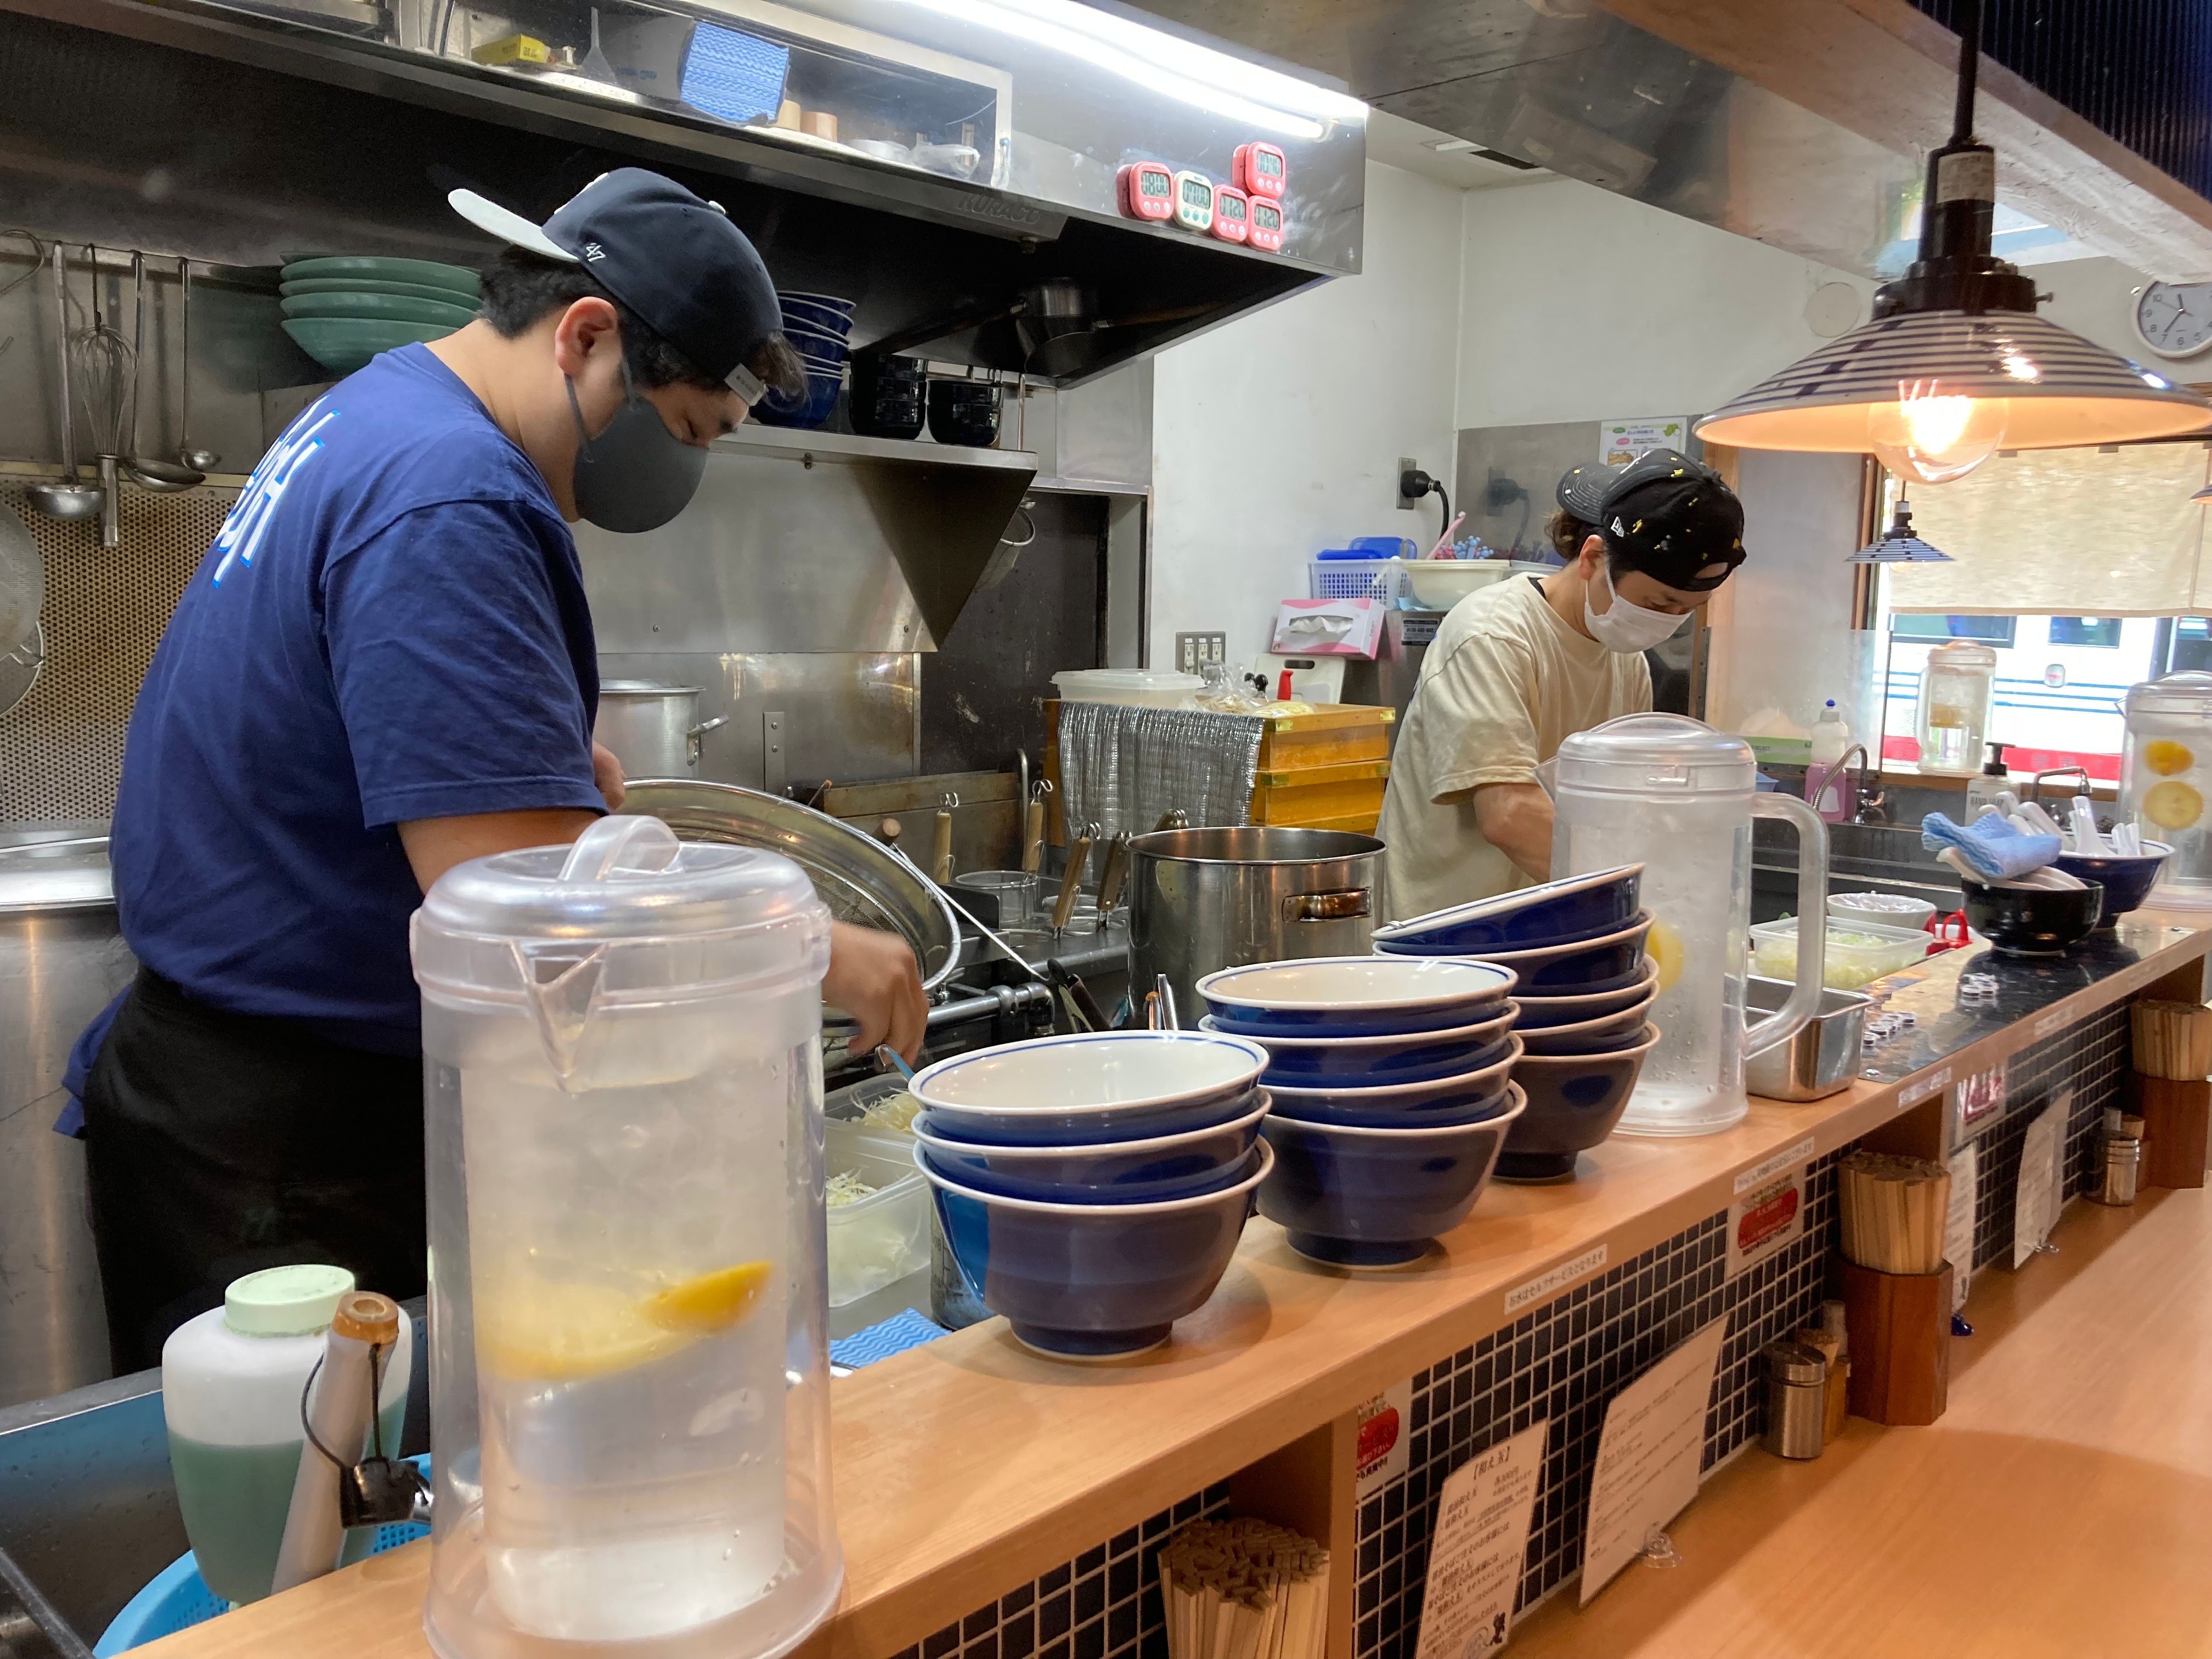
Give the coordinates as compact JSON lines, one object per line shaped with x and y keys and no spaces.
{"x":1858,"y":805}
{"x":2035,"y":784}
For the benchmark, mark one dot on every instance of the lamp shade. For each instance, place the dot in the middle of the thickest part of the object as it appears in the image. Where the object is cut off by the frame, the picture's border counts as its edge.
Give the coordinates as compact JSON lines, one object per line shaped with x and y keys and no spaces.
{"x":1975,"y":381}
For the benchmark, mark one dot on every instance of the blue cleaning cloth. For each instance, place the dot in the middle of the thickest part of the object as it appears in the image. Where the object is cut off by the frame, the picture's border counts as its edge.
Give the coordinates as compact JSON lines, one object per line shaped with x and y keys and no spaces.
{"x":903,"y":1330}
{"x":1998,"y":849}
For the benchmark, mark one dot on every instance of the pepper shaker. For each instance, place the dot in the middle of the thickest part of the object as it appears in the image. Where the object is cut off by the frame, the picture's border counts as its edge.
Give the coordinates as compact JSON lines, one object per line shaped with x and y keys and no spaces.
{"x":1796,"y":1391}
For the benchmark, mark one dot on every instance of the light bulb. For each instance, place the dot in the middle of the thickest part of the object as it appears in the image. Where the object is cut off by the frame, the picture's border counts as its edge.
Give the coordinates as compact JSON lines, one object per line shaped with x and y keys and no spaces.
{"x":1932,"y":437}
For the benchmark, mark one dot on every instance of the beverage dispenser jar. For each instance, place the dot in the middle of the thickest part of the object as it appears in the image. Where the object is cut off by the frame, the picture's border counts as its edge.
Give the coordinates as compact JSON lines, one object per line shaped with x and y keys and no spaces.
{"x":2165,"y":780}
{"x":1678,"y":797}
{"x":1956,"y":688}
{"x":629,"y":1365}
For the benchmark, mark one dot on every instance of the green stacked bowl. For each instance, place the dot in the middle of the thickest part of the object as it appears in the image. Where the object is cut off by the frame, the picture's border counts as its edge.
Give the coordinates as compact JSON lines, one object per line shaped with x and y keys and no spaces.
{"x":342,"y":310}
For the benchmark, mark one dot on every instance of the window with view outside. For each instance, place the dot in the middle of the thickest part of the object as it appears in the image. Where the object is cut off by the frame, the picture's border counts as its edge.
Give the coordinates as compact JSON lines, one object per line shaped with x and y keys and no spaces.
{"x":2038,"y":539}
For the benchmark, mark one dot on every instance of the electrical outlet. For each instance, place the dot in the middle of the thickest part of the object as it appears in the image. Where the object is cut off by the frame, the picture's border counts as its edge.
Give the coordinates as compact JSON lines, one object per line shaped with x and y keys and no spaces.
{"x":1195,"y":651}
{"x":1406,"y":463}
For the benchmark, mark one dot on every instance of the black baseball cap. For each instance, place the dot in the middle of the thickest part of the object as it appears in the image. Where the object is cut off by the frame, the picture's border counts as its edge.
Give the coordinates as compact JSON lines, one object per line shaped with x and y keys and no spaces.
{"x":1674,"y":520}
{"x":1582,"y":489}
{"x":672,"y":257}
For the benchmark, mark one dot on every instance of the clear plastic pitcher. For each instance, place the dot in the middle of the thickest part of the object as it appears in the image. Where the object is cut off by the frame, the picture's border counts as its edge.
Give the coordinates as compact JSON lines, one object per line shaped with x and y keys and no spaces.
{"x":629,"y":1367}
{"x":2166,"y":781}
{"x":1678,"y":797}
{"x":1952,"y":717}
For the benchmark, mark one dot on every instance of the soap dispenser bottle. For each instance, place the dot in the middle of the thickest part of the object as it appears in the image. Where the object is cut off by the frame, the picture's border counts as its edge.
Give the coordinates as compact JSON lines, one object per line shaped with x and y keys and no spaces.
{"x":1984,"y":788}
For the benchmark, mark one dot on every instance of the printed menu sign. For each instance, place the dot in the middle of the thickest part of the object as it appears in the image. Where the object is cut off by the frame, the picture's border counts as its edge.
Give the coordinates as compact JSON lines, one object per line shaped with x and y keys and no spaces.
{"x":2042,"y":1178}
{"x":1481,"y":1542}
{"x":1959,"y":1225}
{"x":1384,"y":1422}
{"x":1649,"y":1455}
{"x":1623,"y":439}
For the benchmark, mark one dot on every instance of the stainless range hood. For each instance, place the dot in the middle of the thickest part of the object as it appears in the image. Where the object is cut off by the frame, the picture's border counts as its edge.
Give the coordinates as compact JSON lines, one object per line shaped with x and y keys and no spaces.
{"x":938,"y":160}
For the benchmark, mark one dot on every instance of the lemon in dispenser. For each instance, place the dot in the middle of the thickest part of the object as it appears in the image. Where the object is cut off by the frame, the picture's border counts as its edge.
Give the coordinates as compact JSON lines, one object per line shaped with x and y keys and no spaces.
{"x":2165,"y":782}
{"x":630,"y":1368}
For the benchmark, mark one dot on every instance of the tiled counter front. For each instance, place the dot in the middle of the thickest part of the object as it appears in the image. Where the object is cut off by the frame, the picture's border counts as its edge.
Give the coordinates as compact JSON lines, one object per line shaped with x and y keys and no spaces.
{"x":1563,"y":1361}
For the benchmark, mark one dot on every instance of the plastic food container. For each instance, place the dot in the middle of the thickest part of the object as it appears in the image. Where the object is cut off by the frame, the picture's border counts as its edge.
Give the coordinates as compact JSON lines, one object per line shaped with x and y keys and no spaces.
{"x":1857,"y":951}
{"x":1440,"y":583}
{"x":881,"y":1236}
{"x":1883,"y":909}
{"x":1146,"y":688}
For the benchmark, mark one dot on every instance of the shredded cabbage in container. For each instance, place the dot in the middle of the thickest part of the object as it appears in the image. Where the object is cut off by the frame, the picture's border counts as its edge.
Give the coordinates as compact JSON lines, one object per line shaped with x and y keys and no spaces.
{"x":893,"y":1112}
{"x":846,"y":1186}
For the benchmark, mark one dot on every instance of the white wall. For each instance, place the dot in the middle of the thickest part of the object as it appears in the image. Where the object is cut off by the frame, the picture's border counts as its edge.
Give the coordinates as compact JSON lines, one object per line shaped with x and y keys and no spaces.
{"x":1581,"y":304}
{"x":1278,"y":433}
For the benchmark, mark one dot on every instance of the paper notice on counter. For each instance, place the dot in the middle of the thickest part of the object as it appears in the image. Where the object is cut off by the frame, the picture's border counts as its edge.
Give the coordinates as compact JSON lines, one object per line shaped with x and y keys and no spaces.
{"x":1959,"y":1225}
{"x":1764,"y":1218}
{"x":1649,"y":1454}
{"x":2035,"y":1200}
{"x":1384,"y":1422}
{"x":1481,"y":1543}
{"x":1624,"y":438}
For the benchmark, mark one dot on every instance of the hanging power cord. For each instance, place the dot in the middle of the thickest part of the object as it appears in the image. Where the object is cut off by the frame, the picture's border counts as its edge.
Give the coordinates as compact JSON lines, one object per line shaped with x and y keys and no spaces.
{"x":1413,"y":483}
{"x":379,"y":1490}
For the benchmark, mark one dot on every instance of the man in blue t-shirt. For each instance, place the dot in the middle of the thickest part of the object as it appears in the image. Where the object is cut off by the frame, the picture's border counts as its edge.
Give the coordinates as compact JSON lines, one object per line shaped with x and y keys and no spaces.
{"x":383,"y":667}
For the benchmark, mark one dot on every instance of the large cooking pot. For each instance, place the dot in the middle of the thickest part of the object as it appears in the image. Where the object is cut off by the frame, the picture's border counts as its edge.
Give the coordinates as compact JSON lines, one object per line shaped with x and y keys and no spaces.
{"x":1203,"y":899}
{"x":61,"y":960}
{"x":653,"y":729}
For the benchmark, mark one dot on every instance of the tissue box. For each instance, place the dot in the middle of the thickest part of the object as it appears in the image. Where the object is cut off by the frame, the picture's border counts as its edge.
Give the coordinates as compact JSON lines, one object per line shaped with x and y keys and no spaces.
{"x":1328,"y":628}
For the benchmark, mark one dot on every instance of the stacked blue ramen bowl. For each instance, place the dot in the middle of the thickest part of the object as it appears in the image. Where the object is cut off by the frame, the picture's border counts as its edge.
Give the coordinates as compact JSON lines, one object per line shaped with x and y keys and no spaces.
{"x":819,"y":327}
{"x":1092,"y":1188}
{"x":1391,"y":1095}
{"x":1585,"y":990}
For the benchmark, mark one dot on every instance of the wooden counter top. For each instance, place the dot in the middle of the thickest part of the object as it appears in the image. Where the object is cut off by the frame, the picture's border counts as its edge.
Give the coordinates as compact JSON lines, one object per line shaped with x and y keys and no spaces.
{"x":2061,"y":1506}
{"x":968,"y":1467}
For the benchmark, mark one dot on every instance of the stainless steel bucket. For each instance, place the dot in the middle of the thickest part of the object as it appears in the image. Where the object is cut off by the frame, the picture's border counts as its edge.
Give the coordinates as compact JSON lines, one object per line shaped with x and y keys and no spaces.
{"x":1204,"y":899}
{"x":1821,"y":1060}
{"x":653,"y":729}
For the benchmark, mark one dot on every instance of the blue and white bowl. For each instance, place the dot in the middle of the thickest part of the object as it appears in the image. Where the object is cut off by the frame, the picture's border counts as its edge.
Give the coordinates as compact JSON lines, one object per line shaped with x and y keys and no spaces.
{"x":1578,"y":907}
{"x":816,"y":314}
{"x":1581,"y":965}
{"x":826,"y":301}
{"x":1463,"y":1097}
{"x":1090,"y":1087}
{"x":1416,"y":1057}
{"x":1353,"y":996}
{"x":2127,"y":881}
{"x":1574,"y":1101}
{"x":1116,"y":1172}
{"x":1375,"y":1198}
{"x":1539,"y":1012}
{"x":1599,"y":1034}
{"x":817,"y":341}
{"x":1094,"y":1281}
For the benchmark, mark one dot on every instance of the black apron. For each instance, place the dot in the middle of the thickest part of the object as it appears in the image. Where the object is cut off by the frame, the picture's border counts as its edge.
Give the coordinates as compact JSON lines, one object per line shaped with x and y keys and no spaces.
{"x":218,"y":1143}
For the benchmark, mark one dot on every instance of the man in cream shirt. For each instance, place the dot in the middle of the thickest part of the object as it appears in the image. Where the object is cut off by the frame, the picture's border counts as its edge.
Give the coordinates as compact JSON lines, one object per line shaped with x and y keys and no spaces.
{"x":1519,"y":665}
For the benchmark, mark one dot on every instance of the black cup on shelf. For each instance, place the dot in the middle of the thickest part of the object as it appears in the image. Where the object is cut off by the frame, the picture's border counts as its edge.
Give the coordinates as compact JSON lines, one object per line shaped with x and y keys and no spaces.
{"x":964,"y":412}
{"x":887,"y":395}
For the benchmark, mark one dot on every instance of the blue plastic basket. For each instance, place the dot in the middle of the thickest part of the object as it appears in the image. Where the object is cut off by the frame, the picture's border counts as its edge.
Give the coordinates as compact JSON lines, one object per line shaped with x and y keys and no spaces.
{"x":177,"y":1598}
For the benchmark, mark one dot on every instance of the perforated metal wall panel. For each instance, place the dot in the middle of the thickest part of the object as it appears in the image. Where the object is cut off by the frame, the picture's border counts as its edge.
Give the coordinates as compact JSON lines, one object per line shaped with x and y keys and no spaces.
{"x":61,"y":750}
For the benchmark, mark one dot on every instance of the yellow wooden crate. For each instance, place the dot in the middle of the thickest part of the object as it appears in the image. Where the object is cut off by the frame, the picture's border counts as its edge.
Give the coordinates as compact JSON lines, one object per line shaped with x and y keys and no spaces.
{"x":1304,"y":794}
{"x":1334,"y":733}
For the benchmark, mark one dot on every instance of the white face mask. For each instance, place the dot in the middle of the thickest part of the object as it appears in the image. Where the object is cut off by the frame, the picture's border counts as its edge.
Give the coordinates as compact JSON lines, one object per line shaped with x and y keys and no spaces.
{"x":1626,"y":628}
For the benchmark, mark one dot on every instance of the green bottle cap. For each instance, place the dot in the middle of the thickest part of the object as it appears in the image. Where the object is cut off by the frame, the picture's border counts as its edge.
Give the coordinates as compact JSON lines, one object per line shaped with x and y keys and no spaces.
{"x":296,"y":1301}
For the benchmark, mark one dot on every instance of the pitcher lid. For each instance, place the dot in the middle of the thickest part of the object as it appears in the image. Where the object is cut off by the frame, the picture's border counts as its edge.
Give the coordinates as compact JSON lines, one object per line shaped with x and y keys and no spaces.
{"x":1668,"y":752}
{"x":2186,"y":693}
{"x":666,"y":914}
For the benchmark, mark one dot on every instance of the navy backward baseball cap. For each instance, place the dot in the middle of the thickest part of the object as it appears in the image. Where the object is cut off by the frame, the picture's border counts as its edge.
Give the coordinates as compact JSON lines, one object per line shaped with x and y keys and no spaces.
{"x":672,"y":257}
{"x":1675,"y":519}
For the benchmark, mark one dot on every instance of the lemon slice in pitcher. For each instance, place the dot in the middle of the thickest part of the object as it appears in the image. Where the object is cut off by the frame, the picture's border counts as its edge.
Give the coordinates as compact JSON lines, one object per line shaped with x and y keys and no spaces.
{"x":565,"y":1333}
{"x":2165,"y":757}
{"x":2172,"y":805}
{"x":709,"y":1303}
{"x":1664,"y":946}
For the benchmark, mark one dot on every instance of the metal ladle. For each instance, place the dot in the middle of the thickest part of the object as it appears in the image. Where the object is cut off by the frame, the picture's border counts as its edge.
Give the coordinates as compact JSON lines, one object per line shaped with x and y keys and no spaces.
{"x":200,"y":460}
{"x":163,"y":478}
{"x":69,"y":498}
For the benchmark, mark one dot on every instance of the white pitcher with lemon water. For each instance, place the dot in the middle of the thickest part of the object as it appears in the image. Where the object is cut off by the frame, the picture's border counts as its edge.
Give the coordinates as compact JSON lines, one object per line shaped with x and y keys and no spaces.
{"x":1678,"y":797}
{"x":629,"y":1367}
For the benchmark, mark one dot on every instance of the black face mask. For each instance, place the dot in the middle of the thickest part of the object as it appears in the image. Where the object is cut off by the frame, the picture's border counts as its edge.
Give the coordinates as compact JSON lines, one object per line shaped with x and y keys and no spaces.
{"x":635,"y":476}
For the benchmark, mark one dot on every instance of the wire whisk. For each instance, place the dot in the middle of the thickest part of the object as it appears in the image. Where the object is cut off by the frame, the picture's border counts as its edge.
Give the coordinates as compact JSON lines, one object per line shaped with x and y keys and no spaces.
{"x":105,"y":367}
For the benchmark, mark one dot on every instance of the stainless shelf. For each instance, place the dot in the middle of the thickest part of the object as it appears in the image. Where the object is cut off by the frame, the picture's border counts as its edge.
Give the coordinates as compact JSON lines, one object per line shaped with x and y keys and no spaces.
{"x":843,"y":447}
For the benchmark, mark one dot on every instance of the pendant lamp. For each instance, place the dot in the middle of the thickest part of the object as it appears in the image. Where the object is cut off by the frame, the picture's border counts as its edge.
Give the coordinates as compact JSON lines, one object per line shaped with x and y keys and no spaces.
{"x":1898,"y":544}
{"x":1956,"y":362}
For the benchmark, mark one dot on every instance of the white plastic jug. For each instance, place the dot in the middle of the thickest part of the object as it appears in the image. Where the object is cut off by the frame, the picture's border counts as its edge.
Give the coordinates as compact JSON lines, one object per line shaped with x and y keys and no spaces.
{"x":1951,"y":719}
{"x":630,"y":1374}
{"x":1678,"y":797}
{"x":232,"y":1380}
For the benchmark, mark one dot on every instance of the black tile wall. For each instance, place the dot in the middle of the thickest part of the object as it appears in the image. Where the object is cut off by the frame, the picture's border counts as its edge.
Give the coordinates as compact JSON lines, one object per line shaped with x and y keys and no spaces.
{"x":2090,"y":1058}
{"x":1105,"y":1604}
